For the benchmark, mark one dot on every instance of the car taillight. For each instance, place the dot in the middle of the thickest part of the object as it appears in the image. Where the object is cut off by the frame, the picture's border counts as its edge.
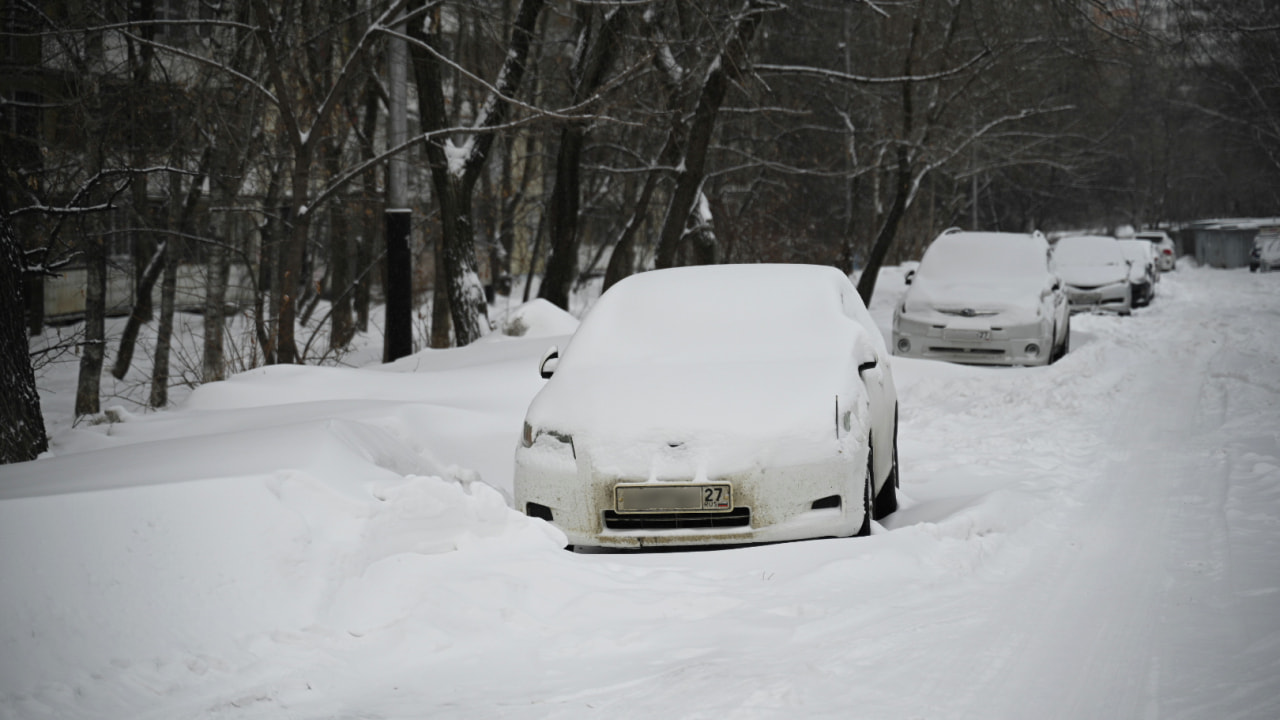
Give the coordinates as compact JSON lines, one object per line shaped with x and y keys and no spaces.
{"x":1167,"y":251}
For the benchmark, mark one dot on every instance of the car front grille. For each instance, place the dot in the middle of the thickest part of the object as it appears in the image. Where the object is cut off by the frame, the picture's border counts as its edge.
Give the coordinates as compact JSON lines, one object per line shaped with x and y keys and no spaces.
{"x":966,"y":351}
{"x":737,"y":517}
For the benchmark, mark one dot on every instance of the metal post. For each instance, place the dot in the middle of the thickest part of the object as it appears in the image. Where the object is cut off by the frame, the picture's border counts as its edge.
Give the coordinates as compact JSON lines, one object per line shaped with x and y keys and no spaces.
{"x":398,"y":341}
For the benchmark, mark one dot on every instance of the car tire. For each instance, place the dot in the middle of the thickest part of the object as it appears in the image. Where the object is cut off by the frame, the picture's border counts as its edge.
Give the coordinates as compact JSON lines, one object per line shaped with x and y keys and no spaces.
{"x":867,"y":485}
{"x":886,"y":502}
{"x":1060,"y":351}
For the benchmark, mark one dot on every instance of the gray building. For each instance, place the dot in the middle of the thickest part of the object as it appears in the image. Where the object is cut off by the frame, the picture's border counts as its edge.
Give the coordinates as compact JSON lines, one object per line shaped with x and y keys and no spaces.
{"x":1223,"y":243}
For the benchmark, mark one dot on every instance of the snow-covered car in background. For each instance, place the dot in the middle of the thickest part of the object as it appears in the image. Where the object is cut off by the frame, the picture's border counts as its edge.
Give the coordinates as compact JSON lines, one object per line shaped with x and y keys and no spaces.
{"x":1095,"y":272}
{"x":1266,"y":251}
{"x":720,"y":404}
{"x":1166,"y":252}
{"x":1143,"y":274}
{"x":984,"y":297}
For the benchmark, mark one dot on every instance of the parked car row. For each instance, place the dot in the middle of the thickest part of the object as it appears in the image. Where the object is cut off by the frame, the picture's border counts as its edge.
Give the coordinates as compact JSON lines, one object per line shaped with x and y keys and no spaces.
{"x":994,"y":298}
{"x":735,"y":404}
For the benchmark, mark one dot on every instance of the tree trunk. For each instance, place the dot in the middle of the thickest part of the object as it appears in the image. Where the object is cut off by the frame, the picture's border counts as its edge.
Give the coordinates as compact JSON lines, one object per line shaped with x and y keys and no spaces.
{"x":164,"y":333}
{"x":215,"y":304}
{"x":562,"y":262}
{"x":181,"y":221}
{"x":341,"y":276}
{"x":22,"y":433}
{"x":441,"y":322}
{"x":902,"y":176}
{"x":89,"y":384}
{"x":689,"y":180}
{"x":453,"y":183}
{"x":140,"y":313}
{"x":587,"y":74}
{"x":264,"y":299}
{"x":292,"y":282}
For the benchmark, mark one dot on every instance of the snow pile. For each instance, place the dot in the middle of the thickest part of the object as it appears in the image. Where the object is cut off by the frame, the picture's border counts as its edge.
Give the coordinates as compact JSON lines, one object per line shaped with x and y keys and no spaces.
{"x":1096,"y":538}
{"x":536,"y":318}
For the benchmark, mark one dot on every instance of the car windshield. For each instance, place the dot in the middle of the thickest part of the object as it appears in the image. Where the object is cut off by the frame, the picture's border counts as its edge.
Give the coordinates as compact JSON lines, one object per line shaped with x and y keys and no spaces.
{"x":1087,"y":251}
{"x":989,"y":258}
{"x":1136,"y":250}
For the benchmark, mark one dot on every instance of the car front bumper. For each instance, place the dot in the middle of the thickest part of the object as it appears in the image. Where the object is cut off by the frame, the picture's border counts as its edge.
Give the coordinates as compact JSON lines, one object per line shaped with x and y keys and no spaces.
{"x":1115,"y":298}
{"x":770,"y":504}
{"x":1017,"y":345}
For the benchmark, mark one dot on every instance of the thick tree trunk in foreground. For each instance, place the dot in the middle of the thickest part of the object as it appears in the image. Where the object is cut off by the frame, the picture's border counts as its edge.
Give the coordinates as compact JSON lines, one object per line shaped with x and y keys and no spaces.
{"x":22,"y":433}
{"x":454,"y":179}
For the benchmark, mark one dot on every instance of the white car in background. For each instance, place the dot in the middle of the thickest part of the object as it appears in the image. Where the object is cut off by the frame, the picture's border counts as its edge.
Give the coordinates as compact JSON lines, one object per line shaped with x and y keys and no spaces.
{"x":1265,"y":255}
{"x":985,"y":298}
{"x":1095,"y":272}
{"x":714,"y":405}
{"x":1143,"y":274}
{"x":1166,"y":252}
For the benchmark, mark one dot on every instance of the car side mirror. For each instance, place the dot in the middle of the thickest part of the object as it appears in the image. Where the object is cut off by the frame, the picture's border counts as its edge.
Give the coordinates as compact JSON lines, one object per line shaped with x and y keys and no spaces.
{"x":911,"y":274}
{"x":550,"y":360}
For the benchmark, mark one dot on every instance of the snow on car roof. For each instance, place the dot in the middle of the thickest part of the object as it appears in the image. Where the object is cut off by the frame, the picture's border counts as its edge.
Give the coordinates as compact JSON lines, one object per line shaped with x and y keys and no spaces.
{"x":989,"y":256}
{"x":1087,"y":250}
{"x":1137,"y":250}
{"x":717,"y":313}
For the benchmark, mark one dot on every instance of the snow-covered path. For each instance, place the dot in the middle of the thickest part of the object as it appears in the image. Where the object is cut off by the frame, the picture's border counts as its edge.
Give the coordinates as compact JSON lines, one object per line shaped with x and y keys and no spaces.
{"x":1098,"y":538}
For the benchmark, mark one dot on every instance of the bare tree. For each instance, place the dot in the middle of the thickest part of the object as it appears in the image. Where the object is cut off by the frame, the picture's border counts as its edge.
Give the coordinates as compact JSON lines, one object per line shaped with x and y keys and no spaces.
{"x":597,"y":45}
{"x":22,"y":433}
{"x":456,"y":166}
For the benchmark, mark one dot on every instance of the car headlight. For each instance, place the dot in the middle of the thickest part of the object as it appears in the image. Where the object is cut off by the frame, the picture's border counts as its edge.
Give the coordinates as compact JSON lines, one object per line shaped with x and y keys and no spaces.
{"x":531,"y":436}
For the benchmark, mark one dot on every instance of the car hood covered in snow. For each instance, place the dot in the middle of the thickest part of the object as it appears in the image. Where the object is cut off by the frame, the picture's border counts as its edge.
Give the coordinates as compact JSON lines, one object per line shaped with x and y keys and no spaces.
{"x":723,"y":416}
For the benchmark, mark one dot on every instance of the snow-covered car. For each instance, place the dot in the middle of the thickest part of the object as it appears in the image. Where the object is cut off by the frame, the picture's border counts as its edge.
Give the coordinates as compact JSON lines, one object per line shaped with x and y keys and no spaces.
{"x":1166,"y":252}
{"x":1143,"y":274}
{"x":984,"y":297}
{"x":1095,"y":272}
{"x":1266,"y":251}
{"x":714,"y":405}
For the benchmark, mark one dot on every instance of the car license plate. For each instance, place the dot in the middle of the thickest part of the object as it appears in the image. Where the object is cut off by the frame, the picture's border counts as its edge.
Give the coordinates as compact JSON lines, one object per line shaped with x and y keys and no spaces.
{"x":1087,"y":298}
{"x":971,"y":335}
{"x":715,"y":497}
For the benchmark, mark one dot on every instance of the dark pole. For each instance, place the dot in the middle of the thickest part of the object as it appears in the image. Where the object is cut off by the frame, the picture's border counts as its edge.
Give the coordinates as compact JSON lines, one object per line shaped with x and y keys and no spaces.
{"x":398,"y":341}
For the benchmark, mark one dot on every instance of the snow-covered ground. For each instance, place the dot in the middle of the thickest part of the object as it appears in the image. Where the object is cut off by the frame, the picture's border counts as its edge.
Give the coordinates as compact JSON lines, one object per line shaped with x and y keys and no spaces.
{"x":1095,"y":539}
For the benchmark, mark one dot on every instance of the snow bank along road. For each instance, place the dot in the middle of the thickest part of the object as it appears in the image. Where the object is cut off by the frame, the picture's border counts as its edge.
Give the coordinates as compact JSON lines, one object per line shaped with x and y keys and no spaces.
{"x":1095,"y":539}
